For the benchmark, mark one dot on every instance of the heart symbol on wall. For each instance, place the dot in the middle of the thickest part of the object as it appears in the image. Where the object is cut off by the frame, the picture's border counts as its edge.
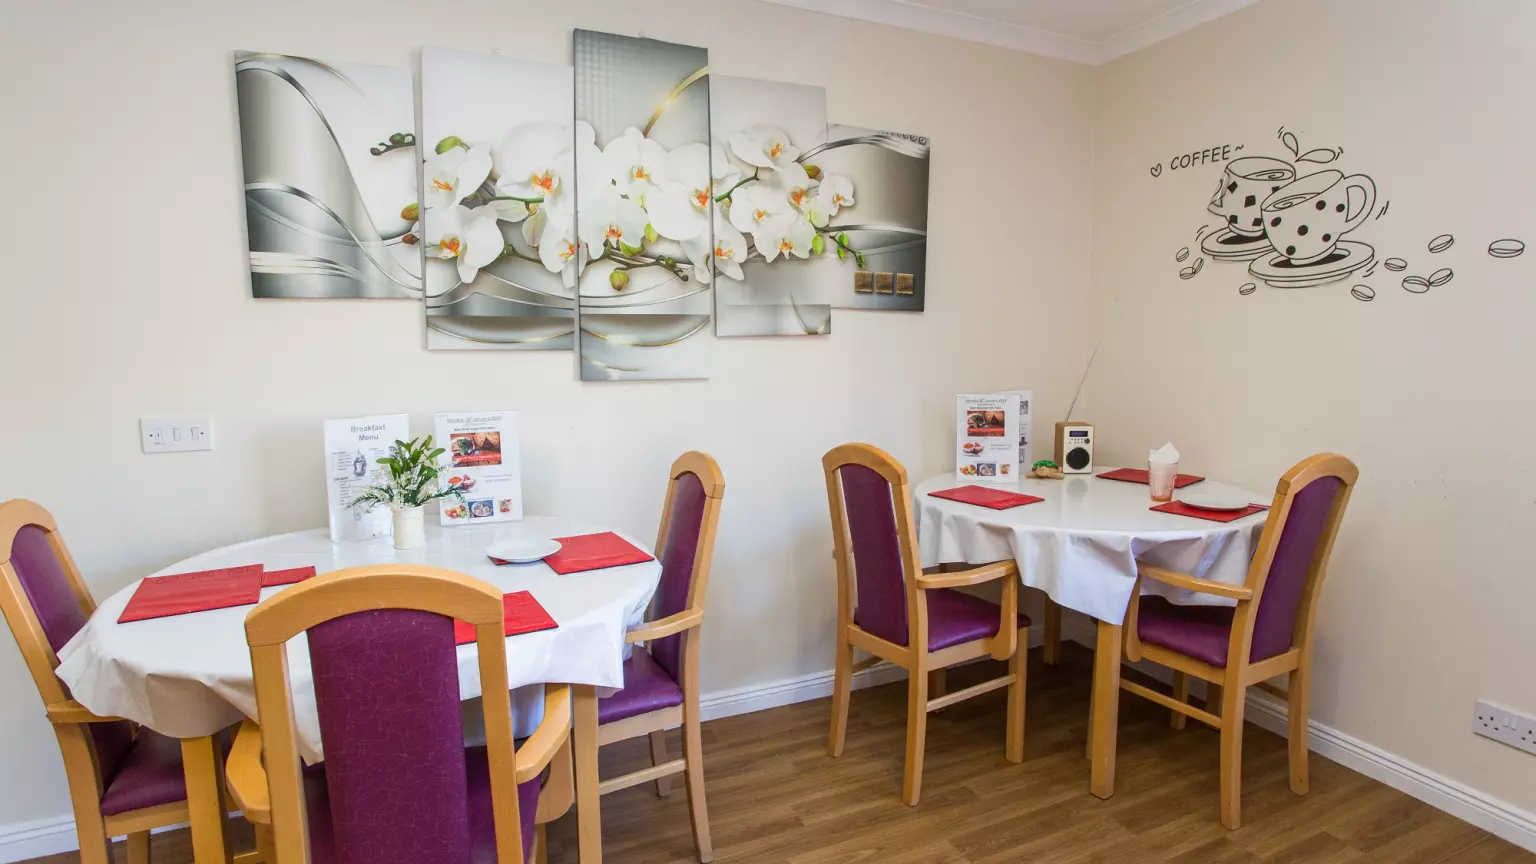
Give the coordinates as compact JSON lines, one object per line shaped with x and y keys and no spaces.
{"x":1157,"y":170}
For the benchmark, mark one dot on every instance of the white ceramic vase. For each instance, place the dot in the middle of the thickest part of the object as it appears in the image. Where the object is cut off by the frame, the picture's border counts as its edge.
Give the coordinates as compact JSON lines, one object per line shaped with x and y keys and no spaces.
{"x":410,"y":528}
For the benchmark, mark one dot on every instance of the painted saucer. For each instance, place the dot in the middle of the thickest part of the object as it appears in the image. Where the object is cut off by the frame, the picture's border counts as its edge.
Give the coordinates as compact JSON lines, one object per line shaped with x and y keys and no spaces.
{"x":1228,"y":245}
{"x":1280,"y":272}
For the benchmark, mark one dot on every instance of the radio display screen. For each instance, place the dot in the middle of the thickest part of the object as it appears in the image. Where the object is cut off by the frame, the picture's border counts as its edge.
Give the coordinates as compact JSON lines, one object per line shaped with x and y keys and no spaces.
{"x":1078,"y":433}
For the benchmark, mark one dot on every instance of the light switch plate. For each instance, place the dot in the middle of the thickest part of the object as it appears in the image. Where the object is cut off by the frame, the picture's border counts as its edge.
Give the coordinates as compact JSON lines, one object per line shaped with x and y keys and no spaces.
{"x":1505,"y":726}
{"x":175,"y":434}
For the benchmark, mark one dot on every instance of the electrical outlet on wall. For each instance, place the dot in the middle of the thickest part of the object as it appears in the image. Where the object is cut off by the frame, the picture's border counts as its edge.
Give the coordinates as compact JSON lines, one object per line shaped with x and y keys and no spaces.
{"x":1505,"y":726}
{"x":175,"y":434}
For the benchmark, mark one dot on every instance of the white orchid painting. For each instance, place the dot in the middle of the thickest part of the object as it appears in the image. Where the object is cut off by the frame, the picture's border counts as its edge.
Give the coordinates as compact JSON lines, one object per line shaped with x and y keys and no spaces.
{"x":496,"y":220}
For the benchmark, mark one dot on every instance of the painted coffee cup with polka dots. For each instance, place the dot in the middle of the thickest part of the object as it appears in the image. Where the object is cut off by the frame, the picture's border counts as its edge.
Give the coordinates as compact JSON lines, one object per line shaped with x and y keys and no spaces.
{"x":1244,"y":184}
{"x":1305,"y":219}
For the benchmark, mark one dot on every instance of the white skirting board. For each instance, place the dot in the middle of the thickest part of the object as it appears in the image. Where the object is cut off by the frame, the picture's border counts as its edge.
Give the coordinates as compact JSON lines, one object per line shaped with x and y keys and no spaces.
{"x":21,"y":841}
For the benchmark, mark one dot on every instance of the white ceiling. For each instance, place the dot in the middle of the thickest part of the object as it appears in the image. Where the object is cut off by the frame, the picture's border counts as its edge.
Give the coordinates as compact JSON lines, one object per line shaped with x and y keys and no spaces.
{"x":1083,"y":31}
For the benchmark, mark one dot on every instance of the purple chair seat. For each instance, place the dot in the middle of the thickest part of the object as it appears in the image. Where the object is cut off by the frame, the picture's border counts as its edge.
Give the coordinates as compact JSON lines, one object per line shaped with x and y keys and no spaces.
{"x":482,"y":823}
{"x":647,"y":688}
{"x":150,"y":774}
{"x":1201,"y":632}
{"x":953,"y":618}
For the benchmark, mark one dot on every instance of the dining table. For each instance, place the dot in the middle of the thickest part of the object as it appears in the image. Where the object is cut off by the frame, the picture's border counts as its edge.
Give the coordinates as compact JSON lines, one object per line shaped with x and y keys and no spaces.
{"x":189,"y":676}
{"x":1080,"y":545}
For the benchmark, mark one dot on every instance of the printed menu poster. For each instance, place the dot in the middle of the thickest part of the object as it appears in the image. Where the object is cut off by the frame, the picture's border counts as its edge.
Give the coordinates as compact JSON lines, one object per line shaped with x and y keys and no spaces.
{"x":353,"y":448}
{"x":481,"y":459}
{"x":1026,"y":457}
{"x":987,"y":437}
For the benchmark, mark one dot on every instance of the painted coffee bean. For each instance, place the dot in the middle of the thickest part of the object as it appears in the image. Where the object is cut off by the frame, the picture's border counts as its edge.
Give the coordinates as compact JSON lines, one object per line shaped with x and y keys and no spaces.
{"x":1440,"y":277}
{"x":1248,"y":288}
{"x":1183,"y":253}
{"x":1396,"y":265}
{"x":1441,"y":243}
{"x":1363,"y":292}
{"x":1187,"y":273}
{"x":1415,"y":284}
{"x":1506,"y":248}
{"x":1198,"y":265}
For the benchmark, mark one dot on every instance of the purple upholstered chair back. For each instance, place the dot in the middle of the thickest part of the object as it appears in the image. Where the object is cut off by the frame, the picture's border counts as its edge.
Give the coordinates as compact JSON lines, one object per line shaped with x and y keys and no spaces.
{"x":58,"y":611}
{"x":1306,"y":526}
{"x":685,"y":523}
{"x":387,"y":693}
{"x":876,"y":550}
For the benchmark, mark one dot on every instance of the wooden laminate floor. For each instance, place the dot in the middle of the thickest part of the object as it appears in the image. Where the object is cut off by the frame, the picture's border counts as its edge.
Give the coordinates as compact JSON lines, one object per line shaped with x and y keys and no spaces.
{"x":775,"y":796}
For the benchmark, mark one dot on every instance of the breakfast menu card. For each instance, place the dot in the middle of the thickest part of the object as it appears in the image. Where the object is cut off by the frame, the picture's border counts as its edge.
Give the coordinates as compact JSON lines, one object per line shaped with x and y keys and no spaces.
{"x":987,"y":441}
{"x":353,"y":447}
{"x":481,"y":458}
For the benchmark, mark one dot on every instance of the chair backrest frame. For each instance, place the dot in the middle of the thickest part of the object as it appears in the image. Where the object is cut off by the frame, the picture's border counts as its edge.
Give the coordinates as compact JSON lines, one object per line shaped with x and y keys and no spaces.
{"x":278,"y":619}
{"x":1301,"y":475}
{"x":704,"y":467}
{"x":894,"y":474}
{"x":75,"y":741}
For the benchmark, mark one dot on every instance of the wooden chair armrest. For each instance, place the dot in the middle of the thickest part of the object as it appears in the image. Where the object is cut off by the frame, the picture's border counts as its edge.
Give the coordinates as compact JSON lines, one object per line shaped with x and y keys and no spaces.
{"x":973,"y":576}
{"x":1130,"y":628}
{"x":1193,"y":583}
{"x":70,"y":711}
{"x":246,"y":776}
{"x":664,"y":627}
{"x":554,"y":730}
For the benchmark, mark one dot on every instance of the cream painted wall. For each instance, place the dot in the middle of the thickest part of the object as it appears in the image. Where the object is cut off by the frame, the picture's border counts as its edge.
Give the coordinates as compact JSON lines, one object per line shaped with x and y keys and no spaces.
{"x":1429,"y":604}
{"x":127,"y":296}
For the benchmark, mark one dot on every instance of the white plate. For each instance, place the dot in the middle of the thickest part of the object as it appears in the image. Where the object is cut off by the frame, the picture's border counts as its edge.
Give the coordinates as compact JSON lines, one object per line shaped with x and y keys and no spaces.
{"x":1215,"y":499}
{"x":523,"y":551}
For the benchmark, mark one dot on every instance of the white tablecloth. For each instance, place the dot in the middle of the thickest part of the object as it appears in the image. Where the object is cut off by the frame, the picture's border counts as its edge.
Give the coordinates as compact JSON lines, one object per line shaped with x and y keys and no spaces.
{"x":1080,"y":544}
{"x":190,"y":675}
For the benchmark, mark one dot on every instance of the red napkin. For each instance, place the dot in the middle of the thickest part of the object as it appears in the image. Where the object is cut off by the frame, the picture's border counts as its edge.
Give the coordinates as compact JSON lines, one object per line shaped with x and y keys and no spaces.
{"x":523,"y":615}
{"x":1179,"y":508}
{"x":183,"y":593}
{"x":1139,"y":475}
{"x":273,"y":578}
{"x":594,"y":552}
{"x":997,"y":499}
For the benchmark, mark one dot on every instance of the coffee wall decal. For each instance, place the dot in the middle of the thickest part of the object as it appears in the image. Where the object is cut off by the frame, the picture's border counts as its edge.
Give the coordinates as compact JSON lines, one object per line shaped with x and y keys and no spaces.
{"x":1285,"y":217}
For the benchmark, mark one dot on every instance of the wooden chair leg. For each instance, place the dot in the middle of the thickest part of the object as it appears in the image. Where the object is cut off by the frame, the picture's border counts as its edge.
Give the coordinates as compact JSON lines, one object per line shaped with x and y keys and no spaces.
{"x":1181,"y":693}
{"x":1232,"y":756}
{"x":1296,"y":733}
{"x":1018,"y":667}
{"x":1213,"y":698}
{"x":1106,"y":709}
{"x":138,"y":848}
{"x":589,"y":813}
{"x":658,"y":756}
{"x":541,"y":845}
{"x":1093,"y":711}
{"x":693,"y":755}
{"x":842,"y":688}
{"x":203,"y":762}
{"x":265,"y":847}
{"x":1052,"y":650}
{"x":938,"y":683}
{"x":917,"y":735}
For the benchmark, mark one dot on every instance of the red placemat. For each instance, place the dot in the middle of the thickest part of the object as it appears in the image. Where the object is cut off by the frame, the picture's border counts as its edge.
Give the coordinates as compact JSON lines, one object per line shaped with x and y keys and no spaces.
{"x":594,"y":552}
{"x":981,"y":496}
{"x":1139,"y":475}
{"x":184,"y":593}
{"x":274,"y":578}
{"x":523,"y":615}
{"x":1179,"y":508}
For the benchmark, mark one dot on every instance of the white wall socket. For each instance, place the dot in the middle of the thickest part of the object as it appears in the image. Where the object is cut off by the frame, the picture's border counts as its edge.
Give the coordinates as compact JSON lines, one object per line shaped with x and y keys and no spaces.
{"x":1505,"y":726}
{"x":175,"y":434}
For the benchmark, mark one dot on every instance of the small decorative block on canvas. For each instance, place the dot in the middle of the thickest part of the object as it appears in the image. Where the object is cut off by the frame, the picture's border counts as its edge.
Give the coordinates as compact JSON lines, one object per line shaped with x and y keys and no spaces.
{"x":328,"y":151}
{"x":497,"y":143}
{"x":640,"y":238}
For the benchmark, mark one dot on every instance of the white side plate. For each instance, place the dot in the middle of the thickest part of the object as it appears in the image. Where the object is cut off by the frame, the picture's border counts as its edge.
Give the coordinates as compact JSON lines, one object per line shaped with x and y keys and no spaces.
{"x":1215,"y":499}
{"x":523,"y":551}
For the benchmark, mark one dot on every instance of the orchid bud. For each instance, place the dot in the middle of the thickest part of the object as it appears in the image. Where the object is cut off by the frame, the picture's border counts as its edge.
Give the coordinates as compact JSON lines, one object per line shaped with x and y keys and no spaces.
{"x":410,"y":212}
{"x":650,"y":233}
{"x":818,"y":245}
{"x":812,"y":171}
{"x":619,"y":280}
{"x":448,"y":143}
{"x":410,"y":239}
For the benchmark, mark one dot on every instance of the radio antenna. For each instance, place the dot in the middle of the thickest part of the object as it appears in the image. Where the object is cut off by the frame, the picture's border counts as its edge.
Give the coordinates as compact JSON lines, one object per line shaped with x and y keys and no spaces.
{"x":1080,"y":384}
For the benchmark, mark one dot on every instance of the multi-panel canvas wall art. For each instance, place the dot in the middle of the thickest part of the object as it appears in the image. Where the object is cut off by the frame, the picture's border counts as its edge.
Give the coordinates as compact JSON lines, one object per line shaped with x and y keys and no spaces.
{"x":330,"y":168}
{"x":642,"y":226}
{"x":886,"y":235}
{"x":775,"y":272}
{"x":497,"y":168}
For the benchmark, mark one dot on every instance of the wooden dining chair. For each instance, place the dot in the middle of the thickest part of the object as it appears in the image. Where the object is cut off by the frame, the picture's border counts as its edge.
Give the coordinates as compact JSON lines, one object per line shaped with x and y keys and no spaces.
{"x":1267,"y":634}
{"x":124,"y":779}
{"x":397,"y":786}
{"x":661,"y":680}
{"x":888,"y":607}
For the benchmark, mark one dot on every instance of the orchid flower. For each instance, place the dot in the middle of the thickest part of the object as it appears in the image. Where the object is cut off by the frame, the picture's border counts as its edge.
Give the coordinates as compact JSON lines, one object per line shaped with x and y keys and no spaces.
{"x":785,"y":235}
{"x":754,"y":204}
{"x":608,"y":219}
{"x":834,"y":193}
{"x":764,"y":146}
{"x":680,"y":209}
{"x":455,"y":175}
{"x":525,"y":162}
{"x":636,"y":163}
{"x":470,"y":238}
{"x":556,"y":241}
